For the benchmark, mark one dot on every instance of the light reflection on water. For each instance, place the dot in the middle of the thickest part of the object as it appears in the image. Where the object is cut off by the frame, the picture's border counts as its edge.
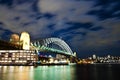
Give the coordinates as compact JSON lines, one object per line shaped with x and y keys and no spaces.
{"x":15,"y":72}
{"x":74,"y":72}
{"x":54,"y":73}
{"x":38,"y":73}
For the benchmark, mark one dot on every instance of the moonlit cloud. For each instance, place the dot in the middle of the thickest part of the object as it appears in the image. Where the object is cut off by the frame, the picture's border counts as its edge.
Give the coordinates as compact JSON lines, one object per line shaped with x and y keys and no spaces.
{"x":70,"y":10}
{"x":99,"y":40}
{"x":88,"y":26}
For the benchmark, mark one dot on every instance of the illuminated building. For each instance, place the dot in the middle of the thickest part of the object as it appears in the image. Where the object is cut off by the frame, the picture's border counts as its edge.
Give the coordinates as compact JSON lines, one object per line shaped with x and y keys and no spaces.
{"x":94,"y":56}
{"x":21,"y":51}
{"x":59,"y":56}
{"x":17,"y":57}
{"x":25,"y":40}
{"x":14,"y":38}
{"x":108,"y":56}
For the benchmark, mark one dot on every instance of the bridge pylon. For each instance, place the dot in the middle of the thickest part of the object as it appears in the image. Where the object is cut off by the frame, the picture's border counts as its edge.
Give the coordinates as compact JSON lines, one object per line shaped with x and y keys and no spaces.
{"x":74,"y":54}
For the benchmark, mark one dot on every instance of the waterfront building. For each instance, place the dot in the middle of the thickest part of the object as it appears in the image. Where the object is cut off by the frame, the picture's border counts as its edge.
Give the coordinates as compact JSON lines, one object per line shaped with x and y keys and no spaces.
{"x":21,"y":55}
{"x":94,"y":56}
{"x":20,"y":51}
{"x":17,"y":57}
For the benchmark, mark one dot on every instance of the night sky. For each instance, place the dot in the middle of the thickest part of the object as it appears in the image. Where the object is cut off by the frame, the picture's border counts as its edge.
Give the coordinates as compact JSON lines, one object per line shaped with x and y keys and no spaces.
{"x":88,"y":26}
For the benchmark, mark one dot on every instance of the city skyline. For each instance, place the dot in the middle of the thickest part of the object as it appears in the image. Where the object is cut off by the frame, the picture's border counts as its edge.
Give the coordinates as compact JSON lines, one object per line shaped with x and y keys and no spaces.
{"x":88,"y":26}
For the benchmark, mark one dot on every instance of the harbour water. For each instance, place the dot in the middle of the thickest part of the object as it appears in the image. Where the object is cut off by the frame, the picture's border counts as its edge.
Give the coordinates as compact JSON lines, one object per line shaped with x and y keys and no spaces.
{"x":61,"y":72}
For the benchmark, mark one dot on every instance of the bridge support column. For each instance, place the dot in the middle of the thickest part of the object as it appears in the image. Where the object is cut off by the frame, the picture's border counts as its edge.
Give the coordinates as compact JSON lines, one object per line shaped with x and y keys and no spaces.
{"x":25,"y":39}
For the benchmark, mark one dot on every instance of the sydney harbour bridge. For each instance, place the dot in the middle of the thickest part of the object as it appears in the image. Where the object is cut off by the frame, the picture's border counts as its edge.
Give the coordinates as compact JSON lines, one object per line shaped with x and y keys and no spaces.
{"x":23,"y":51}
{"x":53,"y":45}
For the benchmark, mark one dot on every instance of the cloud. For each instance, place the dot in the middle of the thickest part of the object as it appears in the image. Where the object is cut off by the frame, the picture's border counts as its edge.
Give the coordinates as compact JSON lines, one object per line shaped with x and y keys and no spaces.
{"x":106,"y":9}
{"x":7,"y":17}
{"x":68,"y":19}
{"x":68,"y":10}
{"x":101,"y":39}
{"x":18,"y":17}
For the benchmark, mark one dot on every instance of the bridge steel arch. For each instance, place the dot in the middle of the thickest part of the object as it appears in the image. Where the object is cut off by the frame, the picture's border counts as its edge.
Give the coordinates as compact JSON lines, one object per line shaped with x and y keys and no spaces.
{"x":57,"y":41}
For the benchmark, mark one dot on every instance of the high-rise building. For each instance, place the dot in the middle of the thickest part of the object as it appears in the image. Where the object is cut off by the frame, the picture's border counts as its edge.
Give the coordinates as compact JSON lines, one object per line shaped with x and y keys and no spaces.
{"x":94,"y":56}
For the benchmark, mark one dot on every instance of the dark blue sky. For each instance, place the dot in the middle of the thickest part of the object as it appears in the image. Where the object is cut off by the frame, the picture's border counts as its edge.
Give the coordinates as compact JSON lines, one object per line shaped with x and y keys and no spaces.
{"x":88,"y":26}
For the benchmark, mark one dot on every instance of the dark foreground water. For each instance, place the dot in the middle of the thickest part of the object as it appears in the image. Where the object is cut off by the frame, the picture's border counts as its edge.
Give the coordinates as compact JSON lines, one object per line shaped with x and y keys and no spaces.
{"x":66,"y":72}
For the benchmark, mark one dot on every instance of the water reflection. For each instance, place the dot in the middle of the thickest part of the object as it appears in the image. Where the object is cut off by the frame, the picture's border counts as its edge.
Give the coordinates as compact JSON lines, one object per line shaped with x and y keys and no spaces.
{"x":75,"y":72}
{"x":14,"y":73}
{"x":54,"y":73}
{"x":39,"y":73}
{"x":98,"y":72}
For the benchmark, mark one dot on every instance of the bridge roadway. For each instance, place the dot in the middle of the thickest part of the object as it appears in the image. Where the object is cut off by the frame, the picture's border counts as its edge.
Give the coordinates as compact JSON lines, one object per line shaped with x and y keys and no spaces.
{"x":56,"y":51}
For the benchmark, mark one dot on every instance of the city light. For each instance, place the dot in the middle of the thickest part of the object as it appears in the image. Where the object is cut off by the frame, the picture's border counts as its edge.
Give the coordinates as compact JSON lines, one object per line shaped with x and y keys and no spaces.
{"x":26,"y":52}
